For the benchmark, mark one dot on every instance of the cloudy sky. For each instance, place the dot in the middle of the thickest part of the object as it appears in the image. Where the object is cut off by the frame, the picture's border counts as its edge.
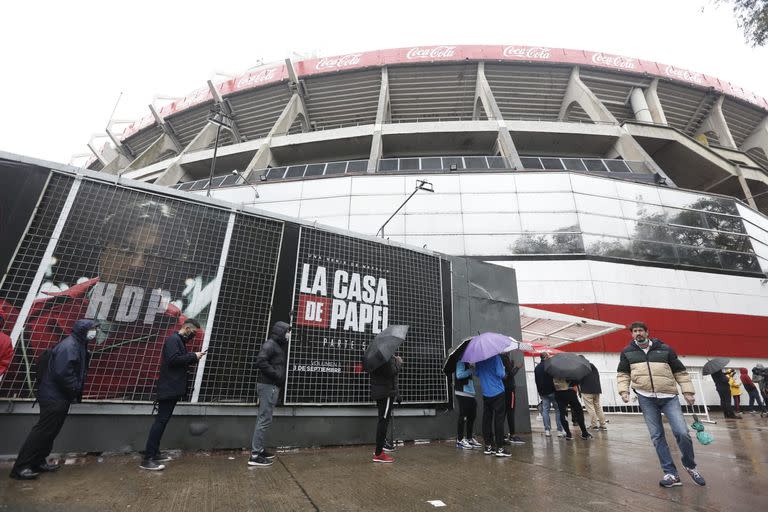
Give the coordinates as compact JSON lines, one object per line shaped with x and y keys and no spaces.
{"x":64,"y":64}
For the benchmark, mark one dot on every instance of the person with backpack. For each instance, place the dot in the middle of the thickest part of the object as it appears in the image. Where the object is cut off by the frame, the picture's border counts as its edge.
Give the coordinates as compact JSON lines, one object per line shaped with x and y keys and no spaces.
{"x":591,"y":390}
{"x":465,"y":396}
{"x":61,"y":375}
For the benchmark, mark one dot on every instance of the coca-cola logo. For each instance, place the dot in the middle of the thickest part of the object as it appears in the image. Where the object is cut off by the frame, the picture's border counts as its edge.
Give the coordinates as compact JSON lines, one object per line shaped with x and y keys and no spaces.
{"x":527,"y":52}
{"x":435,"y":52}
{"x":684,"y":74}
{"x":344,"y":61}
{"x":614,"y":61}
{"x":258,"y":77}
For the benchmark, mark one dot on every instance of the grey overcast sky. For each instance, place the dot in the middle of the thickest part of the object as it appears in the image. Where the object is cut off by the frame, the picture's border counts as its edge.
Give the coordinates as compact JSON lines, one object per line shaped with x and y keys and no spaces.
{"x":64,"y":64}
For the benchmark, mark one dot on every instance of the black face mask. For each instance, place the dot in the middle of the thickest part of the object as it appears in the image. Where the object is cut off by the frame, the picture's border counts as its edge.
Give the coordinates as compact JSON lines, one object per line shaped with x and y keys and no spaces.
{"x":187,"y":336}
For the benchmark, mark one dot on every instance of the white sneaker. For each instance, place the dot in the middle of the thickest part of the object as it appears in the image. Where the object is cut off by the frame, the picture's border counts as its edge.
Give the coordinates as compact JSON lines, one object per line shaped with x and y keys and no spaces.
{"x":463,"y":445}
{"x":474,"y":443}
{"x":560,"y":433}
{"x":548,"y":433}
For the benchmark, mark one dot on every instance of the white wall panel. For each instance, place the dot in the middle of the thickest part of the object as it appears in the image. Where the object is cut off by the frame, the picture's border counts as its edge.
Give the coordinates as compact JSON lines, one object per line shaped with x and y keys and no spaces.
{"x":449,"y":223}
{"x":546,"y":202}
{"x":324,"y":207}
{"x":590,"y":185}
{"x":425,"y":202}
{"x":549,"y":270}
{"x":598,"y":205}
{"x":290,"y":208}
{"x":638,"y":193}
{"x":450,"y":244}
{"x":487,"y":182}
{"x":542,"y":292}
{"x":478,"y":223}
{"x":329,"y":187}
{"x":495,"y":202}
{"x":382,"y":204}
{"x":542,"y":182}
{"x":375,"y":185}
{"x":370,"y":224}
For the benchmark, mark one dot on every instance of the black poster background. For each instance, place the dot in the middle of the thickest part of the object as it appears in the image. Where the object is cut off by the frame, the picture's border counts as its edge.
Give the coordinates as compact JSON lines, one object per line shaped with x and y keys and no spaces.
{"x":325,"y":364}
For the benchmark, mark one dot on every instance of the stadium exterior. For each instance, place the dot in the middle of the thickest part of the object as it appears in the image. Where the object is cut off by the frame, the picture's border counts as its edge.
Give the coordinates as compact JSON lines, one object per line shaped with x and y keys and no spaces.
{"x":619,"y":189}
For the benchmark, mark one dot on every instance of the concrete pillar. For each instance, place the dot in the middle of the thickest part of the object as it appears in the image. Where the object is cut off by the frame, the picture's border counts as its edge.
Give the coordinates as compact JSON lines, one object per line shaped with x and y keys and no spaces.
{"x":578,"y":92}
{"x":654,"y":105}
{"x":152,"y":154}
{"x":383,"y":115}
{"x":175,"y":172}
{"x":745,"y":188}
{"x":758,"y":138}
{"x":504,"y":142}
{"x":227,"y":108}
{"x":115,"y":159}
{"x":627,"y":148}
{"x":715,"y":122}
{"x":640,"y":106}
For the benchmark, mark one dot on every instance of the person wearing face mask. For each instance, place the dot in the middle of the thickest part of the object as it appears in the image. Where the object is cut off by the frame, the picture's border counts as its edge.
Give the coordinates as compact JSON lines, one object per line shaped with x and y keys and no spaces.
{"x":271,"y":363}
{"x":654,"y":372}
{"x":61,"y":383}
{"x":170,"y":387}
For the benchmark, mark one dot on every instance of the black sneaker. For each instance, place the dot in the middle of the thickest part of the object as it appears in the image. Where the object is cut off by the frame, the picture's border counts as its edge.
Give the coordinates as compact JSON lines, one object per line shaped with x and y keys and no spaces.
{"x":502,"y":452}
{"x":388,"y":446}
{"x":151,"y":465}
{"x":586,"y":436}
{"x":488,"y":450}
{"x":516,"y":440}
{"x":161,"y":457}
{"x":267,"y":455}
{"x":568,"y":437}
{"x":259,"y":460}
{"x":696,"y":476}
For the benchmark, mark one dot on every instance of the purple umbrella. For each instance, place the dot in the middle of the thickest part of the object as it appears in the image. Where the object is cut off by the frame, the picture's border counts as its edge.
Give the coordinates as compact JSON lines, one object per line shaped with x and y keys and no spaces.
{"x":489,"y":344}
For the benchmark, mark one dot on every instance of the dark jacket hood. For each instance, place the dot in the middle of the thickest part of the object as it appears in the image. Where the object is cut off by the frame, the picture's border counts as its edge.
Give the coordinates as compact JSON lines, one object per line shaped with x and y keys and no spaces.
{"x":278,"y":331}
{"x":81,"y":328}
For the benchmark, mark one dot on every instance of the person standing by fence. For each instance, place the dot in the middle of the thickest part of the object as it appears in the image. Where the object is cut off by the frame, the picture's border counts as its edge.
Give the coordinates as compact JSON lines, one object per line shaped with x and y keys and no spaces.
{"x":754,"y":396}
{"x":590,"y":392}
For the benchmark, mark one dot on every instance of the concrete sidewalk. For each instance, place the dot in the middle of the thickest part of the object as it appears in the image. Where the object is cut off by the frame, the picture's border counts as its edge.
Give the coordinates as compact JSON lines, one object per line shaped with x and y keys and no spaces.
{"x":617,"y":472}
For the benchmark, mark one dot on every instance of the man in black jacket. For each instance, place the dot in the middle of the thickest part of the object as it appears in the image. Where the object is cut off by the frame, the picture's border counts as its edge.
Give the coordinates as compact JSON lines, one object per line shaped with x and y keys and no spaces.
{"x":546,"y":389}
{"x":510,"y":370}
{"x":271,"y":361}
{"x":590,"y":391}
{"x":171,"y":387}
{"x":61,"y":382}
{"x":723,"y":389}
{"x":384,"y":390}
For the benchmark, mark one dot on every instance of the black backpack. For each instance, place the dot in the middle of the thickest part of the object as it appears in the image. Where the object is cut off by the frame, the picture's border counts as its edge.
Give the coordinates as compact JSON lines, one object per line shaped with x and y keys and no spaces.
{"x":41,"y":368}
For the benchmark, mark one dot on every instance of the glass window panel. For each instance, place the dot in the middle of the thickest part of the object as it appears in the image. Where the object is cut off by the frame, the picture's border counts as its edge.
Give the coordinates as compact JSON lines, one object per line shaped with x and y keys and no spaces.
{"x":388,"y":164}
{"x":649,"y":231}
{"x":574,"y":164}
{"x":315,"y":170}
{"x":714,"y":204}
{"x":230,"y":180}
{"x":594,"y":164}
{"x":409,"y":164}
{"x":545,"y":202}
{"x":638,"y":193}
{"x":504,"y":202}
{"x":750,"y":215}
{"x":731,"y":242}
{"x":740,"y":261}
{"x":690,"y":218}
{"x":497,"y":162}
{"x":199,"y":185}
{"x":760,"y":248}
{"x":756,"y":232}
{"x":543,"y":182}
{"x":653,"y":251}
{"x":186,"y":186}
{"x":546,"y":243}
{"x":295,"y":171}
{"x":530,"y":162}
{"x":336,"y":168}
{"x":698,"y":257}
{"x":477,"y":223}
{"x":763,"y":264}
{"x":217,"y":181}
{"x":431,"y":164}
{"x":593,"y":185}
{"x":725,"y":223}
{"x":608,"y":247}
{"x":638,"y":167}
{"x":598,"y":205}
{"x":449,"y":161}
{"x":695,"y":237}
{"x":643,"y":211}
{"x":549,"y":222}
{"x":552,"y":163}
{"x":617,"y":166}
{"x":600,"y":225}
{"x":275,"y":173}
{"x":357,"y":166}
{"x":475,"y":162}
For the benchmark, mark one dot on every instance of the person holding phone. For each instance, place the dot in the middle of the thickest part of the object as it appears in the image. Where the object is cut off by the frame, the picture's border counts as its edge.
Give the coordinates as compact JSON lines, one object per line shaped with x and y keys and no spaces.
{"x":170,"y":387}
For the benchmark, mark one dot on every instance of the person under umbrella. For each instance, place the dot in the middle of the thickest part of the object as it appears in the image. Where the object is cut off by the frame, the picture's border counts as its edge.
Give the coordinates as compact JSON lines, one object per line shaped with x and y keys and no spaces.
{"x":714,"y":368}
{"x":567,"y":370}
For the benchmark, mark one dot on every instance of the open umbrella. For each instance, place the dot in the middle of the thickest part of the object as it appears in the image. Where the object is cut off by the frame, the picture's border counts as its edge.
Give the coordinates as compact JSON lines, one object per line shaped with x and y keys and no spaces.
{"x":714,"y":365}
{"x":567,"y":366}
{"x":489,"y":344}
{"x":538,"y":348}
{"x":449,"y":366}
{"x":384,"y":346}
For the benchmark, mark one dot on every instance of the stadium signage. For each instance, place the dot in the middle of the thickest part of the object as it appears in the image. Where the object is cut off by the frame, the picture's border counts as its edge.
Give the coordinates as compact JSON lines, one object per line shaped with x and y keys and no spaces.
{"x":684,"y":74}
{"x":434,"y":52}
{"x":615,"y":61}
{"x":258,"y":77}
{"x":527,"y":52}
{"x":343,"y":61}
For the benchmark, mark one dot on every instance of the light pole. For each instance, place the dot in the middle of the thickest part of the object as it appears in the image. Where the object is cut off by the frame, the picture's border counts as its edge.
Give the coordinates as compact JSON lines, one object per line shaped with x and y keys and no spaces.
{"x":420,"y":185}
{"x":220,"y":118}
{"x":237,"y":173}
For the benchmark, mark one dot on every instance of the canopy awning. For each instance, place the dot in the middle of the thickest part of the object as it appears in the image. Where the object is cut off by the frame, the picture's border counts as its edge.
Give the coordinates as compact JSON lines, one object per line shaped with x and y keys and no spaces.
{"x":557,"y":329}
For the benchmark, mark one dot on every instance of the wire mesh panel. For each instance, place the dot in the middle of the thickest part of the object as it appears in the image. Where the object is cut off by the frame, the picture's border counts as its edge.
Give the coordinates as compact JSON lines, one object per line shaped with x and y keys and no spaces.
{"x":243,"y":311}
{"x":137,"y":262}
{"x":346,"y":291}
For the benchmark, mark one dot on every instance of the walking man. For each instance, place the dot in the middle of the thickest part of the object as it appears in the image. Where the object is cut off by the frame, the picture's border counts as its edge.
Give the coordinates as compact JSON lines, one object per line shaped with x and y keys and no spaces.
{"x":170,"y":387}
{"x":271,"y":361}
{"x":590,"y":392}
{"x":491,"y":374}
{"x":653,"y":371}
{"x":545,"y":386}
{"x":61,"y":378}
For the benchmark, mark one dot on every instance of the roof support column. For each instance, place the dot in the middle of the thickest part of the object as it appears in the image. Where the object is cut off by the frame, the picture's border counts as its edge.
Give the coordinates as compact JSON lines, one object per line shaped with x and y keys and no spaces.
{"x":758,"y":138}
{"x":504,"y":143}
{"x":715,"y":122}
{"x":163,"y":144}
{"x":175,"y":172}
{"x":578,"y":92}
{"x":640,"y":106}
{"x":383,"y":115}
{"x":745,"y":188}
{"x":226,"y":107}
{"x":627,"y":148}
{"x":654,"y":105}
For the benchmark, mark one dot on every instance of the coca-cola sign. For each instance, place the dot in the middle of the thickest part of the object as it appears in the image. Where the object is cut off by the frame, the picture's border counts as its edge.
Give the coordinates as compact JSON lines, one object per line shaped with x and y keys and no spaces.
{"x":343,"y":61}
{"x":614,"y":61}
{"x":258,"y":77}
{"x":527,"y":52}
{"x":684,"y":74}
{"x":434,"y":52}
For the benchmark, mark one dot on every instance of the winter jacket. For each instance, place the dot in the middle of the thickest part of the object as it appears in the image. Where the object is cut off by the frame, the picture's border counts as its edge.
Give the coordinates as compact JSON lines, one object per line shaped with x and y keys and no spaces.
{"x":464,"y":374}
{"x":544,"y":383}
{"x":491,"y":374}
{"x":64,"y":378}
{"x":734,"y":383}
{"x":563,"y":385}
{"x":384,"y":380}
{"x":510,"y":370}
{"x":271,"y":359}
{"x":590,"y":385}
{"x":721,"y":382}
{"x":174,"y":364}
{"x":659,"y":371}
{"x":746,"y":380}
{"x":6,"y":352}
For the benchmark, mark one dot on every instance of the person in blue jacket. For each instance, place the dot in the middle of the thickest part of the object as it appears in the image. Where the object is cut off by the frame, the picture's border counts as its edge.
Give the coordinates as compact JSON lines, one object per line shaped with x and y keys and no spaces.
{"x":465,"y":396}
{"x":491,"y":374}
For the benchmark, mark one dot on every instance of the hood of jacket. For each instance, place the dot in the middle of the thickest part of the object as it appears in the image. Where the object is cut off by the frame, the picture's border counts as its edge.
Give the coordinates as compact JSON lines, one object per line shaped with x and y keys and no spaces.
{"x":279,"y":330}
{"x":81,"y":328}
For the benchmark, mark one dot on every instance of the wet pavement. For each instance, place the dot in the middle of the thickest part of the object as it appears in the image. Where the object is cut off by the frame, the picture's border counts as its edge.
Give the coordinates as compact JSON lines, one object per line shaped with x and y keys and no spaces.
{"x":616,"y":471}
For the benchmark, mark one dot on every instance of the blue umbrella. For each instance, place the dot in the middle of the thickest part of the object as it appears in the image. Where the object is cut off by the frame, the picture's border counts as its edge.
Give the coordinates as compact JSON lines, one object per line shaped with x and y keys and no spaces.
{"x":489,"y":344}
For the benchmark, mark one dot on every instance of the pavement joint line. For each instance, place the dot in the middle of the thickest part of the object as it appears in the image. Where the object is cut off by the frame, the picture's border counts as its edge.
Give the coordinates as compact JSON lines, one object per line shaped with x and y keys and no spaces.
{"x":311,"y":501}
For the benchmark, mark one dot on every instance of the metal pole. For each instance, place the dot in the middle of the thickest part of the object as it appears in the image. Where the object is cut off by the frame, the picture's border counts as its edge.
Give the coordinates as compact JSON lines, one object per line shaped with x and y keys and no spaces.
{"x":213,"y":162}
{"x":381,"y":229}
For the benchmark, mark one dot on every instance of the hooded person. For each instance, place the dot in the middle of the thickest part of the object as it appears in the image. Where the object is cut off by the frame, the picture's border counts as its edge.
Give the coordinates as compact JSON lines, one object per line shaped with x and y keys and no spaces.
{"x":61,"y":377}
{"x":754,"y":395}
{"x":723,"y":388}
{"x":271,"y":362}
{"x":385,"y":390}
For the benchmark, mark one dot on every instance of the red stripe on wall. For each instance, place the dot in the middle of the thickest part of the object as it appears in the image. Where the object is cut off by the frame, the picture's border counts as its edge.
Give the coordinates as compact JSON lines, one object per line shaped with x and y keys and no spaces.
{"x":688,"y":332}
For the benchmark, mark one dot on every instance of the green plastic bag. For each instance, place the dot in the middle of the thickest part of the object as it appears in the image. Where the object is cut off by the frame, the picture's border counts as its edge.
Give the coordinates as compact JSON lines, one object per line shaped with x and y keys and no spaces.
{"x":701,"y":435}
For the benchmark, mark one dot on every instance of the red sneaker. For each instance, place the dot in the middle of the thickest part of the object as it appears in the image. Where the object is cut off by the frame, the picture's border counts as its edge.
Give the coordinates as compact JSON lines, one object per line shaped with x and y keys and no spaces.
{"x":383,"y":457}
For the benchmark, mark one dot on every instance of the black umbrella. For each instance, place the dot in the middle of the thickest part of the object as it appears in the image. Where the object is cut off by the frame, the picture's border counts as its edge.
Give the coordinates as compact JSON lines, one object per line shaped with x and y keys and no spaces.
{"x":567,"y":366}
{"x":454,"y":354}
{"x":384,"y":346}
{"x":714,"y":365}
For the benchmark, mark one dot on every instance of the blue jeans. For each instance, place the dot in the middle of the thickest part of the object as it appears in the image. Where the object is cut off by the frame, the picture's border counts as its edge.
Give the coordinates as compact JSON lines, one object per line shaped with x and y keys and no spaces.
{"x":547,"y":401}
{"x":652,"y":409}
{"x":268,"y":397}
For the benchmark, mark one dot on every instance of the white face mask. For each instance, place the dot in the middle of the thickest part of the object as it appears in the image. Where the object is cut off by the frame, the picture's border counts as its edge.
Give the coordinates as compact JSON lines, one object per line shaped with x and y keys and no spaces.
{"x":91,"y":335}
{"x":288,"y":336}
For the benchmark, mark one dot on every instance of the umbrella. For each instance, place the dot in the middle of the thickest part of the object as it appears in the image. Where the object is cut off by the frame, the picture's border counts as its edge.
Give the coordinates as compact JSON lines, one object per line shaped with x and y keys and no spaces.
{"x":449,"y":366}
{"x":714,"y":365}
{"x":538,"y":348}
{"x":384,"y":346}
{"x":567,"y":366}
{"x":486,"y":345}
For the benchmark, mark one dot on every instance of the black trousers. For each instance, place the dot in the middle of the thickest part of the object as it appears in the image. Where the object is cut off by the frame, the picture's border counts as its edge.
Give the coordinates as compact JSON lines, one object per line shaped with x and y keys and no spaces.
{"x":164,"y":413}
{"x":725,"y":401}
{"x":564,"y":399}
{"x":509,"y":409}
{"x":39,"y":442}
{"x":385,"y":414}
{"x":493,"y":420}
{"x":467,"y":415}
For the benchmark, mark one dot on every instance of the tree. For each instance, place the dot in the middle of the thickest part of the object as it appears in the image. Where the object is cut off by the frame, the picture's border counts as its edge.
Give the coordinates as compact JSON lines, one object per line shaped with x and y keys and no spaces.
{"x":752,"y":19}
